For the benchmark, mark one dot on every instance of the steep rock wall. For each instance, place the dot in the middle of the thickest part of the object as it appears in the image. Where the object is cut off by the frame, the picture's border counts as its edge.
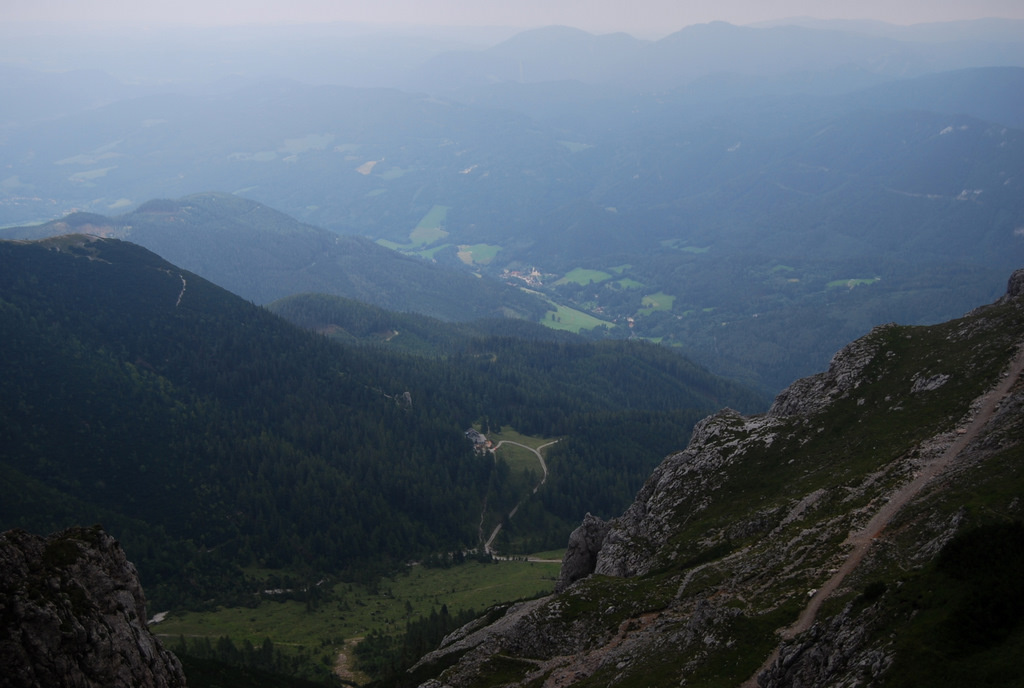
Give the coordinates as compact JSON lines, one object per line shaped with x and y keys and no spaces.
{"x":72,"y":613}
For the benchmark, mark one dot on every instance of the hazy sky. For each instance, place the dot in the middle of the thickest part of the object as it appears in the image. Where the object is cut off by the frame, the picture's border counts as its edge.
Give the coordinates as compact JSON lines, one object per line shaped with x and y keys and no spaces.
{"x":639,"y":17}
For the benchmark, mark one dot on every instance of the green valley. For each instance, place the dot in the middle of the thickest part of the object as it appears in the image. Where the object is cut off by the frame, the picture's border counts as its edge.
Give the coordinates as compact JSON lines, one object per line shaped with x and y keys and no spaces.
{"x":464,"y":356}
{"x":221,"y":436}
{"x":326,"y":627}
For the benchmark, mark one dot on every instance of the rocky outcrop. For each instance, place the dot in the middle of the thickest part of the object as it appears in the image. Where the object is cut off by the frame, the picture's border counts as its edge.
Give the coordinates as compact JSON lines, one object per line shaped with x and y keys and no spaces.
{"x":829,"y":653}
{"x":72,"y":613}
{"x":580,"y":558}
{"x":676,"y":491}
{"x":1015,"y":286}
{"x":770,"y":550}
{"x":812,"y":394}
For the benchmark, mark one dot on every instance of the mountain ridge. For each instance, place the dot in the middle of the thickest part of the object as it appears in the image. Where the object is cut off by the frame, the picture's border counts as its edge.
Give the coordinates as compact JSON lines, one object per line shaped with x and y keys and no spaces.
{"x":720,"y":47}
{"x":688,"y":585}
{"x":263,"y":255}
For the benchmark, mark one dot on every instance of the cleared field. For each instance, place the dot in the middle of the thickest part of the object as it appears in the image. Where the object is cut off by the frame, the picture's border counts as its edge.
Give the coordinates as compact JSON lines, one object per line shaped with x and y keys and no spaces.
{"x":429,"y":230}
{"x":509,"y":434}
{"x":434,"y":218}
{"x":517,"y":458}
{"x":478,"y":254}
{"x":421,"y":236}
{"x":430,"y":227}
{"x":583,"y":277}
{"x":564,"y":318}
{"x":657,"y":302}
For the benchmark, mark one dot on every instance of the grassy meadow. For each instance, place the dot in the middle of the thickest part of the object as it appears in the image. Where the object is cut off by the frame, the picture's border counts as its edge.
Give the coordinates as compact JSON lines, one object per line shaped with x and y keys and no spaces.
{"x":351,"y":611}
{"x":584,"y":276}
{"x":565,"y":318}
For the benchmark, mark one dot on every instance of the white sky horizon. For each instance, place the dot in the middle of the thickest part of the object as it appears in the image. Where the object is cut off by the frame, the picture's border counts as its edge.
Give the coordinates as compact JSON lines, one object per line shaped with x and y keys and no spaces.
{"x":641,"y":18}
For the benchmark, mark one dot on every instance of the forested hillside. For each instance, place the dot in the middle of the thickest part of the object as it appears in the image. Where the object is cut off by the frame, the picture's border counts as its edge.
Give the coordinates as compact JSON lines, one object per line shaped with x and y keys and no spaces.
{"x":207,"y":433}
{"x":356,"y":322}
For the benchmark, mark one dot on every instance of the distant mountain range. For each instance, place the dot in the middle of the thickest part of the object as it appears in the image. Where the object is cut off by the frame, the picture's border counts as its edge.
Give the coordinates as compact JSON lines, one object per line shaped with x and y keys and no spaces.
{"x":566,"y":54}
{"x":794,"y":176}
{"x":203,"y":60}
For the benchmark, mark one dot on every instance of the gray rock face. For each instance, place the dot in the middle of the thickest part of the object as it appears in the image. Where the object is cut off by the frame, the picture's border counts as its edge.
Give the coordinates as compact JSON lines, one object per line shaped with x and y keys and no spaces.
{"x":74,"y":614}
{"x":676,"y":490}
{"x":581,"y":553}
{"x":1015,"y":285}
{"x":812,"y":394}
{"x":829,"y":654}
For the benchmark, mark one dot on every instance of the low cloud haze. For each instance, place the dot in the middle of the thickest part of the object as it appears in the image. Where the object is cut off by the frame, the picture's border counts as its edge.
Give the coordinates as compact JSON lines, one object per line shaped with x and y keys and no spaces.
{"x":645,"y":18}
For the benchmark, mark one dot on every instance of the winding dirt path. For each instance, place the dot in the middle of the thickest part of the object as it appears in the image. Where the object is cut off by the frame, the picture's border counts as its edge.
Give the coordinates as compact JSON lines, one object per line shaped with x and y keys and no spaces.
{"x":543,"y":479}
{"x":181,"y":294}
{"x":862,"y":539}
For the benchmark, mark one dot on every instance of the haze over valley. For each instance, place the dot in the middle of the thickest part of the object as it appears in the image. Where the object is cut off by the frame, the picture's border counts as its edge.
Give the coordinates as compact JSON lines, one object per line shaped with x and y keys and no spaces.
{"x":324,"y":316}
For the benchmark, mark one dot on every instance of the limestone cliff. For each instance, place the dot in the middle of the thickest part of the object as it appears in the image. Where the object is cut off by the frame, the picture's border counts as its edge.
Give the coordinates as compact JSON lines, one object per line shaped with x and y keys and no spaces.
{"x":72,"y":613}
{"x":786,"y":549}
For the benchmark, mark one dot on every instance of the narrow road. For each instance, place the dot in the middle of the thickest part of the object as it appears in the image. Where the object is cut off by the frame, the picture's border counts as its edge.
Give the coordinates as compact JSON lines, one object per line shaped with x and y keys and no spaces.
{"x":543,"y":479}
{"x":182,"y":293}
{"x":862,"y":539}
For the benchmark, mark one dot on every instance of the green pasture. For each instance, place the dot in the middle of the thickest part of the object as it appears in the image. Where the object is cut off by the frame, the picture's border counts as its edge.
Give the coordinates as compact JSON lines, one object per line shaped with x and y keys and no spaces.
{"x":517,"y":458}
{"x":478,"y":254}
{"x":429,"y":230}
{"x":511,"y":435}
{"x":565,"y":318}
{"x":430,"y":227}
{"x":583,"y":277}
{"x":352,"y":611}
{"x":394,"y":245}
{"x":657,"y":302}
